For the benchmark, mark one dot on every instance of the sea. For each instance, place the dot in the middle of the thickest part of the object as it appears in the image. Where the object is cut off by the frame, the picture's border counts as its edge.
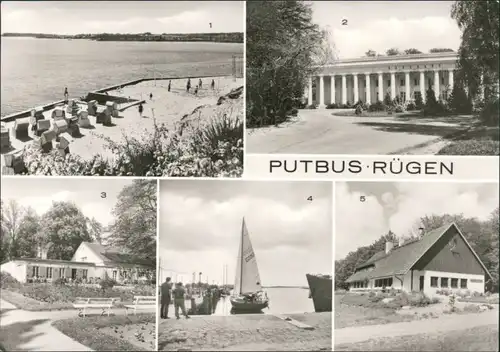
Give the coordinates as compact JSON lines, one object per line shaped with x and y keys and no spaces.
{"x":35,"y":71}
{"x":282,"y":300}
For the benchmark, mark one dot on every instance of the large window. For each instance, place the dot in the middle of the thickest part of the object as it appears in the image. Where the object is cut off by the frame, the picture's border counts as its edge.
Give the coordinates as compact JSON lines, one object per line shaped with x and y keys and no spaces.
{"x":403,"y":96}
{"x":454,"y":283}
{"x":402,"y":83}
{"x":49,"y":273}
{"x":62,"y":273}
{"x":434,"y":281}
{"x":444,"y":282}
{"x":463,"y":283}
{"x":35,"y":271}
{"x":415,"y":82}
{"x":85,"y":273}
{"x":418,"y":94}
{"x":383,"y":282}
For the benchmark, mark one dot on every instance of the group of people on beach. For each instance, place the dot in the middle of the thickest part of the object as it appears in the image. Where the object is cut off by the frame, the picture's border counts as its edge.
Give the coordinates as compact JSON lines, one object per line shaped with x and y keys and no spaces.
{"x":178,"y":293}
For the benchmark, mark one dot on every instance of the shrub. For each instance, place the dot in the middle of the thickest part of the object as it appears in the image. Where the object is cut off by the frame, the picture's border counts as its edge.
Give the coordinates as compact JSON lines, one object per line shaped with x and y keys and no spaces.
{"x":452,"y":303}
{"x":411,"y":106}
{"x":378,"y":106}
{"x":399,"y":108}
{"x":419,"y":103}
{"x":312,"y":106}
{"x":349,"y":105}
{"x":387,"y":100}
{"x":8,"y":281}
{"x":459,"y":101}
{"x":332,"y":106}
{"x":471,"y":308}
{"x":489,"y":114}
{"x":359,"y":110}
{"x":294,"y":112}
{"x":107,"y":283}
{"x":59,"y":281}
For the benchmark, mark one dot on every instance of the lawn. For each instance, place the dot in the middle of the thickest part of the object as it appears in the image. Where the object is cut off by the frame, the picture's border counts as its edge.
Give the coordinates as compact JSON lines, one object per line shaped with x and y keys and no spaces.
{"x":484,"y":338}
{"x":477,"y":141}
{"x":117,"y":333}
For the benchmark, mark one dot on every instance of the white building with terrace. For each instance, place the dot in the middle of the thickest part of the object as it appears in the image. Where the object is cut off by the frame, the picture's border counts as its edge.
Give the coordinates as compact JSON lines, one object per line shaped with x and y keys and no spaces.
{"x":369,"y":79}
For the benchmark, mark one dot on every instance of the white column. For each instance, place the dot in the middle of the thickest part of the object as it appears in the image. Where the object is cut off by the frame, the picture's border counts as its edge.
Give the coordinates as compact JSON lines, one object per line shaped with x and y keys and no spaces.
{"x":451,"y":82}
{"x":356,"y":89}
{"x":381,"y":86}
{"x":321,"y":91}
{"x":422,"y":85}
{"x":368,"y":89}
{"x":436,"y":84}
{"x":393,"y":85}
{"x":310,"y":92}
{"x":407,"y":85}
{"x":332,"y":89}
{"x":344,"y":89}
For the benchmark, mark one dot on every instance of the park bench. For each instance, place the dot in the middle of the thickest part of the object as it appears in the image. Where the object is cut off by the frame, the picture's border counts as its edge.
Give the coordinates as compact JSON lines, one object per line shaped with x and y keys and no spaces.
{"x":141,"y":302}
{"x":83,"y":303}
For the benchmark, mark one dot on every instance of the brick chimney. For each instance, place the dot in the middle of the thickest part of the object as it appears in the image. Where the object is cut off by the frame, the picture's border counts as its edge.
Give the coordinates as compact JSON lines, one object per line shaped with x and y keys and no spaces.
{"x":388,"y":247}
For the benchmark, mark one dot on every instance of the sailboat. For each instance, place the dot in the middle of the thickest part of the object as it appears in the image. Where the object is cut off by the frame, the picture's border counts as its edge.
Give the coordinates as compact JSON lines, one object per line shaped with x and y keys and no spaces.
{"x":247,"y":296}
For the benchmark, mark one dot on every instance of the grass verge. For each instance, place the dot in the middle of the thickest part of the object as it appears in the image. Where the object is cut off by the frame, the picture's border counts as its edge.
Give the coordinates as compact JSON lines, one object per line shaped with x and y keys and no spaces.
{"x":30,"y":304}
{"x":484,"y":338}
{"x":87,"y":331}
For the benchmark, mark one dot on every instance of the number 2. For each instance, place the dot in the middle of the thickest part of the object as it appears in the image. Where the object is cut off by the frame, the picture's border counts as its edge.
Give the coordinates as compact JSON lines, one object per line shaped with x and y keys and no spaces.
{"x":344,"y":22}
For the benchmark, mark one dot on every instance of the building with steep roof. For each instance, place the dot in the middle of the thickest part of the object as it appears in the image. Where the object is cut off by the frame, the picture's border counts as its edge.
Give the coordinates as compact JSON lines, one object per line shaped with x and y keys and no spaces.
{"x":90,"y":263}
{"x":440,"y":259}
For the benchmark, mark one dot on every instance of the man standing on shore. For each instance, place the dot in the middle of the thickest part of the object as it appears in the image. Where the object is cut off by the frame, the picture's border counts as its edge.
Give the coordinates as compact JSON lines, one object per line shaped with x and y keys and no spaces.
{"x":188,"y":85}
{"x":200,"y":83}
{"x":212,"y":85}
{"x":179,"y":300}
{"x":66,"y":94}
{"x":141,"y":109}
{"x":169,"y":84}
{"x":165,"y":298}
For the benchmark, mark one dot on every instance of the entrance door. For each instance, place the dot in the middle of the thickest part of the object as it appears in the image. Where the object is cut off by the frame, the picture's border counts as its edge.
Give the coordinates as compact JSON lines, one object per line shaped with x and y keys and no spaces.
{"x":421,"y":283}
{"x":73,"y":274}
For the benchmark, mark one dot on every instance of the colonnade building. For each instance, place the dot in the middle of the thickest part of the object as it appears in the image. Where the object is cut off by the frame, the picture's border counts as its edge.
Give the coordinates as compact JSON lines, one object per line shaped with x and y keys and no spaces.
{"x":369,"y":79}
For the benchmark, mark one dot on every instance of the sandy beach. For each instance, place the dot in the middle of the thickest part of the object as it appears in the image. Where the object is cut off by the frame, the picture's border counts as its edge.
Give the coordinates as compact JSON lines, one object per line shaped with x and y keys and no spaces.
{"x":246,"y":333}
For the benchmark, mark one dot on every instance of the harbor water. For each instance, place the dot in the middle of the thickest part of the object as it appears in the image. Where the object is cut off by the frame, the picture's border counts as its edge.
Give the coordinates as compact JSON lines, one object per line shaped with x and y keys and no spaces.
{"x":36,"y":71}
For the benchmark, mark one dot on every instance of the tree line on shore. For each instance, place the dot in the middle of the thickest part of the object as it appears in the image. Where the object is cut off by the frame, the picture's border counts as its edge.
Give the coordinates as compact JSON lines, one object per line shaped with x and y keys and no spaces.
{"x":482,"y":235}
{"x":64,"y":226}
{"x":230,"y":37}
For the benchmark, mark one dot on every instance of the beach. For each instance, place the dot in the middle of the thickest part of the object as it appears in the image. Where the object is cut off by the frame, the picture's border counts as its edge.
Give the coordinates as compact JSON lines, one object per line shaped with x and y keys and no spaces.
{"x":246,"y":332}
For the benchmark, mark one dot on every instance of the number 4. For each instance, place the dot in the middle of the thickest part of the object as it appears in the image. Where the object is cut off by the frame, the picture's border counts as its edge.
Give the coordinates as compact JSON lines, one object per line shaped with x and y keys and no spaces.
{"x":310,"y":198}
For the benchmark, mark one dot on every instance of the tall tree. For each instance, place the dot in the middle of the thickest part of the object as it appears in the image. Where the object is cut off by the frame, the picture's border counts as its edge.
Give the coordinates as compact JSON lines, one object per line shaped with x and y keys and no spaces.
{"x":28,"y":234}
{"x":134,"y":228}
{"x":283,"y":48}
{"x":65,"y":227}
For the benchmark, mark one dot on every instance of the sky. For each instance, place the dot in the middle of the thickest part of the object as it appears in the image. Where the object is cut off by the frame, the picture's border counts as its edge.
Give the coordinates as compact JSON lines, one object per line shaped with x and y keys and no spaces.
{"x":39,"y":193}
{"x":398,"y":206}
{"x":380,"y":25}
{"x":74,"y":17}
{"x":200,"y":228}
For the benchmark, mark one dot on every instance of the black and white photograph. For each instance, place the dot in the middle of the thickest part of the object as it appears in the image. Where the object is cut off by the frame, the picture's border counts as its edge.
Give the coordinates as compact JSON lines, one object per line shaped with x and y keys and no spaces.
{"x":372,"y":77}
{"x":78,"y":265}
{"x":245,"y":265}
{"x":416,"y":266}
{"x":122,"y":88}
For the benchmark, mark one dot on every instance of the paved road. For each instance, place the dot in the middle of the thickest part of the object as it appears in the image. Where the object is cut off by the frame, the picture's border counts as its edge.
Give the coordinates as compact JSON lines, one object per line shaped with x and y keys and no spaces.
{"x":442,"y":324}
{"x":320,"y":132}
{"x":33,"y":331}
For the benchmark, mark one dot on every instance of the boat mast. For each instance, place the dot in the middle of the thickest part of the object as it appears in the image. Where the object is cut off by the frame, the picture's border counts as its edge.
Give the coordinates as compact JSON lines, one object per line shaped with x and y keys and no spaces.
{"x":241,"y":259}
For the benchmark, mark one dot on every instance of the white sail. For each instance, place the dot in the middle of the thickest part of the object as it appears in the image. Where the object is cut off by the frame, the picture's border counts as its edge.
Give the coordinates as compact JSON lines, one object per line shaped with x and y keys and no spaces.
{"x":247,"y":272}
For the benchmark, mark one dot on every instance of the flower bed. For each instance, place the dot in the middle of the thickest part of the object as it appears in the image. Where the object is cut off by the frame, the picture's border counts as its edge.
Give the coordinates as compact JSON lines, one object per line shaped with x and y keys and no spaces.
{"x":210,"y":150}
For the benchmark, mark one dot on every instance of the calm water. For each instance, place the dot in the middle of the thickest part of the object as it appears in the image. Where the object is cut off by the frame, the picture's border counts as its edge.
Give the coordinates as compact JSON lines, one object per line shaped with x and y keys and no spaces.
{"x":281,"y":301}
{"x":35,"y":71}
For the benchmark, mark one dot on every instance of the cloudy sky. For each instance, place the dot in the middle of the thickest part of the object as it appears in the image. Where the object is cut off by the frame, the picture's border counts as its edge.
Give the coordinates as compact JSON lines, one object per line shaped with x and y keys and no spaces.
{"x":397,"y":206}
{"x":200,"y":224}
{"x":39,"y":193}
{"x":73,"y":17}
{"x":380,"y":25}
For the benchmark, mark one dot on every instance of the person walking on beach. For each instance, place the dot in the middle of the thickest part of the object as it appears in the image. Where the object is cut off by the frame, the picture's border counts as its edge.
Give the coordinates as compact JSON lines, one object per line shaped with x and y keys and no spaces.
{"x":179,"y":300}
{"x":212,"y":85}
{"x":169,"y":84}
{"x":150,"y":96}
{"x":200,"y":83}
{"x":66,"y":94}
{"x":166,"y":288}
{"x":188,"y":85}
{"x":196,"y":90}
{"x":141,"y":109}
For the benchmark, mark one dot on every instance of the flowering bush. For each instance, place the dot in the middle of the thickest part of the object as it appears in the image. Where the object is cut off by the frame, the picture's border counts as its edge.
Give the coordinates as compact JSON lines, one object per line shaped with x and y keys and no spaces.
{"x":211,"y":150}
